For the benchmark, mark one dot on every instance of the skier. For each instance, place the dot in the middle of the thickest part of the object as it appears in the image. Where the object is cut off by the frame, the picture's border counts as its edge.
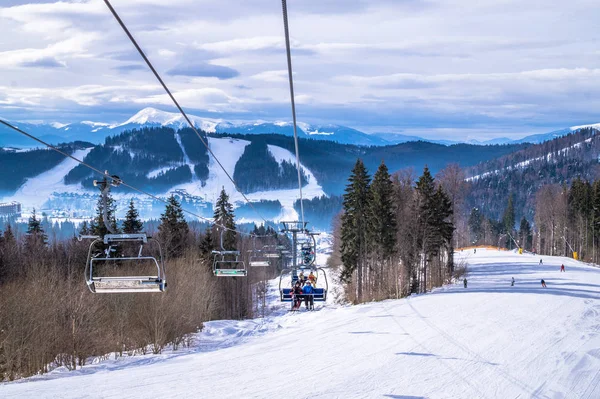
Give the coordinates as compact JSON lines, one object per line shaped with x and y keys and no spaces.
{"x":512,"y":283}
{"x":541,"y":262}
{"x":543,"y":283}
{"x":308,"y":296}
{"x":562,"y":268}
{"x":465,"y":282}
{"x":474,"y":250}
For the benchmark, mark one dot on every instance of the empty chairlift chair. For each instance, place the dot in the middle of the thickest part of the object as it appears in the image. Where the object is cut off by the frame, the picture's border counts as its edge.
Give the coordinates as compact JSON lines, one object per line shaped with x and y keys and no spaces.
{"x":110,"y":270}
{"x":257,"y":257}
{"x":227,"y":263}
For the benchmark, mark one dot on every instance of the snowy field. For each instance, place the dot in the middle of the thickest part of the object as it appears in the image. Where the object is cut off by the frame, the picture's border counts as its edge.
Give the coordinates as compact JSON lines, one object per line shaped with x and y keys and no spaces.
{"x":489,"y":340}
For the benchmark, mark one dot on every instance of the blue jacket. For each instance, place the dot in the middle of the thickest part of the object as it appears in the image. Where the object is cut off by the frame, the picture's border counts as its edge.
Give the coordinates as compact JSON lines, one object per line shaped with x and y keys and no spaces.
{"x":308,"y":289}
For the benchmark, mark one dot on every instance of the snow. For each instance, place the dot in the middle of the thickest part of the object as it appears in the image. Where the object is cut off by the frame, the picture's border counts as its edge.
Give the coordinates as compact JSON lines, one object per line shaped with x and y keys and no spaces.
{"x":490,"y":340}
{"x":36,"y":190}
{"x":548,"y":157}
{"x":186,"y":158}
{"x":595,"y":126}
{"x":228,"y":151}
{"x":153,"y":115}
{"x":156,"y":172}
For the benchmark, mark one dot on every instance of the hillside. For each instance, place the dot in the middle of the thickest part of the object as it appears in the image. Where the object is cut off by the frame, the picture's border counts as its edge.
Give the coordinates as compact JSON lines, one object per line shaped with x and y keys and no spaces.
{"x":490,"y":340}
{"x":163,"y":160}
{"x":523,"y":172}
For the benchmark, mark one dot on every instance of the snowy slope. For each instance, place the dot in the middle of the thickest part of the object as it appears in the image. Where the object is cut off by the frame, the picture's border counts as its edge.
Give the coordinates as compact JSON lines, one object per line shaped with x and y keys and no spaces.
{"x":228,"y":151}
{"x":490,"y":340}
{"x":35,"y":191}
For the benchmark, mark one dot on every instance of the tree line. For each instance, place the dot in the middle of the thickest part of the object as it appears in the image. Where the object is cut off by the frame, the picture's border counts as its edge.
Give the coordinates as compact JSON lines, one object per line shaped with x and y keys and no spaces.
{"x":394,"y":236}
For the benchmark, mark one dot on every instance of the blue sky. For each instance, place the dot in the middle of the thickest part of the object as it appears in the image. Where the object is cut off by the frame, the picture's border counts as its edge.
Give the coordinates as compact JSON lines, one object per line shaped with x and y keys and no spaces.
{"x":448,"y":69}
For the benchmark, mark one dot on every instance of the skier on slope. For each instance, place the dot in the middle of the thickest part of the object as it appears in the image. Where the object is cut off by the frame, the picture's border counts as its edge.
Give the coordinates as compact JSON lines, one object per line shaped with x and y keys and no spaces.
{"x":562,"y":268}
{"x":512,"y":282}
{"x":543,"y":283}
{"x":465,"y":282}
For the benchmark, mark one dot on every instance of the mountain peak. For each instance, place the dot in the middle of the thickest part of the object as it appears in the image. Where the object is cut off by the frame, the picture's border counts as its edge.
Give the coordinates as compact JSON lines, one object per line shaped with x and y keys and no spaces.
{"x":152,"y":115}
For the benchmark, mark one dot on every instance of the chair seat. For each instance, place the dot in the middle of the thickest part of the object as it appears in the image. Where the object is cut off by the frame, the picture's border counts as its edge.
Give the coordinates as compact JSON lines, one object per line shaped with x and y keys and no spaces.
{"x":127,"y":284}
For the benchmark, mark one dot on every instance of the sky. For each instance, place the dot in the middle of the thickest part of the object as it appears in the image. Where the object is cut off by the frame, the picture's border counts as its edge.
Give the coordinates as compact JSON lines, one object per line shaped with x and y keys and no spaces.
{"x":447,"y":69}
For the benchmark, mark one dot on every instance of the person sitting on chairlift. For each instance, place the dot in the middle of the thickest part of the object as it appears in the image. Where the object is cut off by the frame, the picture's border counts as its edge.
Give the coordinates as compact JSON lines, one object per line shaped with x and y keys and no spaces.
{"x":296,"y":296}
{"x":313,"y":279}
{"x":301,"y":278}
{"x":308,"y":296}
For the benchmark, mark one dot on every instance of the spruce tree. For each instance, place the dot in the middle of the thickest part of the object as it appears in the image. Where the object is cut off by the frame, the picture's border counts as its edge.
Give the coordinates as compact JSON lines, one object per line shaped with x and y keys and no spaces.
{"x":173,"y":229}
{"x":476,"y":226}
{"x":508,"y":221}
{"x":224,"y":216}
{"x":207,"y":244}
{"x":85,"y":229}
{"x":525,"y":233}
{"x":434,"y":229}
{"x":97,"y":226}
{"x":382,"y":215}
{"x":36,"y":236}
{"x":354,"y":230}
{"x":132,"y":223}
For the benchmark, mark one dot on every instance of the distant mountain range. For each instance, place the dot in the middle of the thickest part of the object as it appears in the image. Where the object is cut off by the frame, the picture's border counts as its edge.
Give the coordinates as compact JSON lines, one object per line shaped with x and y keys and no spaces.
{"x":96,"y":132}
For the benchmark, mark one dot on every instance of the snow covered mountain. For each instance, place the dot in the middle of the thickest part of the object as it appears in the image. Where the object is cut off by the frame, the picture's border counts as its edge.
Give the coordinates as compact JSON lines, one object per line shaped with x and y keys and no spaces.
{"x":96,"y":132}
{"x":165,"y":163}
{"x":490,"y":340}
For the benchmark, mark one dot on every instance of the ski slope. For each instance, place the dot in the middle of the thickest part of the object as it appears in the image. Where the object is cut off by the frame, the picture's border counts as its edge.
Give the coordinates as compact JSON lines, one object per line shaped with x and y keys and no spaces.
{"x":489,"y":340}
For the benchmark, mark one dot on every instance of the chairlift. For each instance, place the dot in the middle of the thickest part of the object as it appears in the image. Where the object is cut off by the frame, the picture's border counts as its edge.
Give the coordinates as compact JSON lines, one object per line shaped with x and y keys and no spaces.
{"x":258,"y":257}
{"x":227,"y":263}
{"x":319,"y":293}
{"x":106,"y":255}
{"x":99,"y":259}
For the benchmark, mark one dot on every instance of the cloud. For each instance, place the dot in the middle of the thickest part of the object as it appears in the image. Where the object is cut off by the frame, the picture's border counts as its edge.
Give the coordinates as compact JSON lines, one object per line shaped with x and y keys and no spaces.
{"x":210,"y":99}
{"x":203,"y":70}
{"x":366,"y":63}
{"x":130,"y":68}
{"x":272,"y":76}
{"x":46,"y":62}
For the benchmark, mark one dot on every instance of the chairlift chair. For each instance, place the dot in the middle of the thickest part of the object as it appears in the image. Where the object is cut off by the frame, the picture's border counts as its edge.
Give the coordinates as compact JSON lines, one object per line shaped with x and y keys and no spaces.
{"x":100,"y":283}
{"x":123,"y":283}
{"x":319,"y":294}
{"x":227,"y":263}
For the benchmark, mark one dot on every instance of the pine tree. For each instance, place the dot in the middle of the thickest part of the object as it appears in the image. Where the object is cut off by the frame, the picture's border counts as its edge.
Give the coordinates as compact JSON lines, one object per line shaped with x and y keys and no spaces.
{"x":224,"y":216}
{"x":85,"y":229}
{"x":97,"y":227}
{"x":434,"y":225}
{"x":382,"y":216}
{"x":525,"y":233}
{"x":207,"y":244}
{"x":354,"y":230}
{"x":508,"y":221}
{"x":173,"y":229}
{"x":36,"y":236}
{"x":476,"y":225}
{"x":132,"y":223}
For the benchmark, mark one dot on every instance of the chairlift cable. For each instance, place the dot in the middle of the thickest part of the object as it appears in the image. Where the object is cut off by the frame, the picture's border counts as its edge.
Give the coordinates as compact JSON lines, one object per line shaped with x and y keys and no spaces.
{"x":291,"y":80}
{"x":156,"y":74}
{"x":120,"y":181}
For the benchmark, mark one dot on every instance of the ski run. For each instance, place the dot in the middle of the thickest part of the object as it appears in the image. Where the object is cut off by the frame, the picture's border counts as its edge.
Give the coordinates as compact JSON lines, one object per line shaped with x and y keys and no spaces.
{"x":489,"y":340}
